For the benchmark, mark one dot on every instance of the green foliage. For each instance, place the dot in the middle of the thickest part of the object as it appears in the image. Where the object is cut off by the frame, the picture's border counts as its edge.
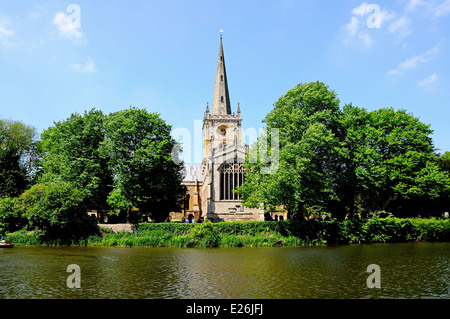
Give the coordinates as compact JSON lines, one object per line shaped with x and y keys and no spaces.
{"x":17,"y":155}
{"x":393,"y":160}
{"x":139,"y":147}
{"x":349,"y":161}
{"x":116,"y":162}
{"x":174,"y":228}
{"x":26,"y":238}
{"x":10,"y":214}
{"x":71,"y":153}
{"x":205,"y":235}
{"x":305,"y":117}
{"x":267,"y":233}
{"x":444,"y":162}
{"x":57,"y":209}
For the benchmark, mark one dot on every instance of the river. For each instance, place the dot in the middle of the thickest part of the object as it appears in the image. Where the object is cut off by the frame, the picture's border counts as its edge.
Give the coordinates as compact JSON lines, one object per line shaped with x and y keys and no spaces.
{"x":406,"y":270}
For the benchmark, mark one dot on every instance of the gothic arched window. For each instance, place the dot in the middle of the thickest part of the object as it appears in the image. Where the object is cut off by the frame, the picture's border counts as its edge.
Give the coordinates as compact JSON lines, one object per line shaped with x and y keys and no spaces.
{"x":231,"y":176}
{"x":187,"y":202}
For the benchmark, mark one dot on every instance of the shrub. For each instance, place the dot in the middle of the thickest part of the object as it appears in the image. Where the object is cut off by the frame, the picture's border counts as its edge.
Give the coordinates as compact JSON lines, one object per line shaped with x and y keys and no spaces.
{"x":58,"y":210}
{"x":25,"y":237}
{"x":10,"y":214}
{"x":264,"y":233}
{"x":205,"y":234}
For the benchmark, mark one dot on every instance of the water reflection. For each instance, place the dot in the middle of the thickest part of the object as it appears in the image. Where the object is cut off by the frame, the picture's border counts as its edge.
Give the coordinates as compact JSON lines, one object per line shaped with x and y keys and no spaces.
{"x":412,"y":270}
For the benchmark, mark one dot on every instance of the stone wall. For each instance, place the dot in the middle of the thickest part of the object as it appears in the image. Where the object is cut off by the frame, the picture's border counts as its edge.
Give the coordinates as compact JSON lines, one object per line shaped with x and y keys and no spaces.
{"x":119,"y":228}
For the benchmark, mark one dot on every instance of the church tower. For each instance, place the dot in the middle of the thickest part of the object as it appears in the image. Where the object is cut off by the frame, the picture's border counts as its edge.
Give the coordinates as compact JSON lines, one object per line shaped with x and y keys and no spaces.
{"x":223,"y":155}
{"x":220,"y":127}
{"x":221,"y":101}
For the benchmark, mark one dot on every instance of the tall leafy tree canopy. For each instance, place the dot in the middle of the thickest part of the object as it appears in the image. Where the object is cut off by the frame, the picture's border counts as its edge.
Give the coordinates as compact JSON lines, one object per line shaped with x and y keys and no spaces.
{"x":139,"y":147}
{"x":119,"y":161}
{"x":346,"y":160}
{"x":444,"y":162}
{"x":71,"y":154}
{"x":17,"y":151}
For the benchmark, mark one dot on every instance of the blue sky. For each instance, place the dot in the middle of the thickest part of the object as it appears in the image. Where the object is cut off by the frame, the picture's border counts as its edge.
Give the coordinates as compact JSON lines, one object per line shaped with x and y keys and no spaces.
{"x":57,"y":59}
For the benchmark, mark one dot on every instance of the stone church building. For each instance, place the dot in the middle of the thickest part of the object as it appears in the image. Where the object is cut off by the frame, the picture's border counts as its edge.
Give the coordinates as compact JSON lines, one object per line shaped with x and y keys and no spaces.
{"x":210,"y":184}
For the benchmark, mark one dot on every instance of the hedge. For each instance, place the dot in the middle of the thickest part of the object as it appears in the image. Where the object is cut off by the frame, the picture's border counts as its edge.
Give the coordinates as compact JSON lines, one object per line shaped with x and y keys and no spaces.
{"x":268,"y":233}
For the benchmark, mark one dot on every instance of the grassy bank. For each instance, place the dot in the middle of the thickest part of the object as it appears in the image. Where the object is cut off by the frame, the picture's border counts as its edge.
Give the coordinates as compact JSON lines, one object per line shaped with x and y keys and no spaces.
{"x":282,"y":233}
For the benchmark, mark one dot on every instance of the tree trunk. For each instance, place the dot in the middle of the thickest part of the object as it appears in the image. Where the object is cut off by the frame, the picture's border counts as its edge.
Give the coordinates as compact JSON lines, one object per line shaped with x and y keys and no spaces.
{"x":128,"y":214}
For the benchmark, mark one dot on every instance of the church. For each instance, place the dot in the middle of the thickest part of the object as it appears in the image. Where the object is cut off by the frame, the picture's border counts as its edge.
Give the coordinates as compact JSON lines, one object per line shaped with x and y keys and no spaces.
{"x":210,"y":184}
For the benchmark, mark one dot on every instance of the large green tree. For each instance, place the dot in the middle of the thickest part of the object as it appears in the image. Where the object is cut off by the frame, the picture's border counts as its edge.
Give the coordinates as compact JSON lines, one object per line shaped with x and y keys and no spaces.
{"x":17,"y":154}
{"x":139,"y":147}
{"x":346,"y":161}
{"x":388,"y":161}
{"x":70,"y":151}
{"x":57,"y":210}
{"x":444,"y":162}
{"x":116,"y":161}
{"x":306,"y":117}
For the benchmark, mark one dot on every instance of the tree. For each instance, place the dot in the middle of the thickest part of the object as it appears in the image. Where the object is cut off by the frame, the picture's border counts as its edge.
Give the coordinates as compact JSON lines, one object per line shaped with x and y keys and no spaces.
{"x":71,"y":154}
{"x":139,"y":146}
{"x":17,"y":153}
{"x":306,"y":117}
{"x":119,"y":161}
{"x":10,"y":214}
{"x":388,"y":161}
{"x":444,"y":162}
{"x":58,"y":210}
{"x":348,"y":161}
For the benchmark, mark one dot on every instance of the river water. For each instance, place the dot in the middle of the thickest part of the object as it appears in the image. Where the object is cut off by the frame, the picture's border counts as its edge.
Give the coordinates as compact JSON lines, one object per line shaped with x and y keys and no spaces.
{"x":406,"y":270}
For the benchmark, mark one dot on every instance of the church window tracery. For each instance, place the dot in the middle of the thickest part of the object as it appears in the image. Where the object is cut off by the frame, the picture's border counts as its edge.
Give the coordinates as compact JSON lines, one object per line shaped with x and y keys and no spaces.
{"x":231,"y":176}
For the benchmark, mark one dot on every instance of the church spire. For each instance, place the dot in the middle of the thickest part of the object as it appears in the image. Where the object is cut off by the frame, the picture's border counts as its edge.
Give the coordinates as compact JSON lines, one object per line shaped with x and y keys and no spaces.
{"x":221,"y":102}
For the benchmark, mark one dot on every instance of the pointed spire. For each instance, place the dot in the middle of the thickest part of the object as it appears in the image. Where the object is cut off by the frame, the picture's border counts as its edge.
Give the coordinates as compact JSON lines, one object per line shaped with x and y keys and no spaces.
{"x":221,"y":102}
{"x":239,"y":110}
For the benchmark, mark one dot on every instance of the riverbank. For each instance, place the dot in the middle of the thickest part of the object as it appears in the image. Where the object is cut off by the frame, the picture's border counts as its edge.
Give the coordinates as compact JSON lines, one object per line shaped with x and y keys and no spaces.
{"x":259,"y":234}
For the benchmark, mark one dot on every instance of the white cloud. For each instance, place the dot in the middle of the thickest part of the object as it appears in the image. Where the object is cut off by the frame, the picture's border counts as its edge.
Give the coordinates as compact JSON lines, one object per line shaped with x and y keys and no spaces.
{"x":413,"y":4}
{"x":366,"y":9}
{"x":362,"y":10}
{"x":408,"y":64}
{"x":352,"y":26}
{"x":88,"y":67}
{"x":428,"y":81}
{"x":351,"y":33}
{"x":442,"y":9}
{"x":386,"y":16}
{"x":34,"y":15}
{"x":5,"y":32}
{"x":413,"y":62}
{"x":66,"y":27}
{"x":357,"y":31}
{"x":401,"y":27}
{"x":365,"y":38}
{"x":36,"y":12}
{"x":437,"y":8}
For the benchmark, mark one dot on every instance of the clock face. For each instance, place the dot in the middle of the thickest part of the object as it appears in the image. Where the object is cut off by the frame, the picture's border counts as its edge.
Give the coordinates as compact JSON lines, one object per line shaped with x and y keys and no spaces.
{"x":223,"y":131}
